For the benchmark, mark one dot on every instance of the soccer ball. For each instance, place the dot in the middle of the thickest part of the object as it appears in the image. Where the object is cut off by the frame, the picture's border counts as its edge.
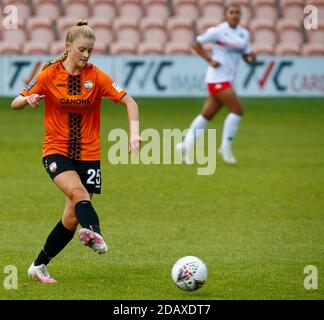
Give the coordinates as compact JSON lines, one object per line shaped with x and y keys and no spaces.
{"x":189,"y":273}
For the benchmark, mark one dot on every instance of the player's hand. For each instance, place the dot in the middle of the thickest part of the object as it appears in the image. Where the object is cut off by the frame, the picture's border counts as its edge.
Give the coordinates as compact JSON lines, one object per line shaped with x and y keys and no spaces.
{"x":251,"y":57}
{"x":34,"y":99}
{"x":214,"y":63}
{"x":134,"y":143}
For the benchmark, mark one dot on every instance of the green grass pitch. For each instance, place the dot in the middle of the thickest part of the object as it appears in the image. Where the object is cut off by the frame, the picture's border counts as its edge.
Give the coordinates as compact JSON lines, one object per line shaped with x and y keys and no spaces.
{"x":256,"y":225}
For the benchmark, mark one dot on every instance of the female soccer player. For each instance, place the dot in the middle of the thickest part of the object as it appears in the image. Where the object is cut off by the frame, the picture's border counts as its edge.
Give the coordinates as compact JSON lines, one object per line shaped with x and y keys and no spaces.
{"x":230,"y":41}
{"x":72,"y":89}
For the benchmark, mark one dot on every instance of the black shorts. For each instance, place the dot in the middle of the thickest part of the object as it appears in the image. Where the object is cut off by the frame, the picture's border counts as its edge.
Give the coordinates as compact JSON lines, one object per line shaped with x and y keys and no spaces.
{"x":88,"y":171}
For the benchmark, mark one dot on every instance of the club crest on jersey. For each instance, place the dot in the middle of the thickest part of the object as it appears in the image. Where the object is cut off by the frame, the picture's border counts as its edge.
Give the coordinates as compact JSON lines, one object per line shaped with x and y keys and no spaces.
{"x":88,"y":84}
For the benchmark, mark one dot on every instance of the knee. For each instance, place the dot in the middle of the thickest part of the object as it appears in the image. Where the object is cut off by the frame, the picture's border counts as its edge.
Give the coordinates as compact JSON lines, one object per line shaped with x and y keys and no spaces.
{"x":238,"y":112}
{"x":78,"y":195}
{"x":70,"y":222}
{"x":208,"y":115}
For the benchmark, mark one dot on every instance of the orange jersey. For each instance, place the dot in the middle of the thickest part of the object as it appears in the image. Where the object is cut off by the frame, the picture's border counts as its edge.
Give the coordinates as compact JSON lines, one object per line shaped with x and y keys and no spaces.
{"x":72,"y":109}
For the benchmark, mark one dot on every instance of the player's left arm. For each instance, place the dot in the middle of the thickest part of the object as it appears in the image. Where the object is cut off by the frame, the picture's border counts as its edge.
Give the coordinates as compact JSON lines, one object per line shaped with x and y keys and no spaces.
{"x":133,"y":121}
{"x":248,"y":55}
{"x":112,"y":91}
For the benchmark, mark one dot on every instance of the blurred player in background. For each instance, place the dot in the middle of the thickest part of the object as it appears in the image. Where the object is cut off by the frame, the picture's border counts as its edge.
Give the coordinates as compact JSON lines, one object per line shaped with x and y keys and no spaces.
{"x":230,"y":42}
{"x":72,"y":89}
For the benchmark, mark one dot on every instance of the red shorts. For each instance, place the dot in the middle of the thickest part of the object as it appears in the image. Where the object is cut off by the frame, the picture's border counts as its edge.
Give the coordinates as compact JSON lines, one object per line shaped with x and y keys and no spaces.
{"x":218,"y":87}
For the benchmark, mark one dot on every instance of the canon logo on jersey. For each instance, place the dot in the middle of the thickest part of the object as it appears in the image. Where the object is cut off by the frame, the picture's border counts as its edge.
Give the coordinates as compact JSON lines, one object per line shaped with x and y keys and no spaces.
{"x":75,"y":101}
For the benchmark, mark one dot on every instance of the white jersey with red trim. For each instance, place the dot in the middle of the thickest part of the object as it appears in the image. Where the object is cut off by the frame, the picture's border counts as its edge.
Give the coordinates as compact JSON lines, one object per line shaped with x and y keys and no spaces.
{"x":228,"y":46}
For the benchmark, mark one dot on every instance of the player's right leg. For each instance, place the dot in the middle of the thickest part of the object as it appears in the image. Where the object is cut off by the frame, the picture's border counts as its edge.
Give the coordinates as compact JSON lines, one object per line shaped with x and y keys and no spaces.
{"x":80,"y":200}
{"x":211,"y":107}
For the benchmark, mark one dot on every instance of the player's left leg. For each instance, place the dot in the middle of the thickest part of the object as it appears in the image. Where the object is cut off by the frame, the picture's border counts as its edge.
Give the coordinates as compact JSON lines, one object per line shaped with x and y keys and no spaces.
{"x":211,"y":106}
{"x":90,"y":238}
{"x":74,"y":185}
{"x":89,"y":234}
{"x":231,"y":123}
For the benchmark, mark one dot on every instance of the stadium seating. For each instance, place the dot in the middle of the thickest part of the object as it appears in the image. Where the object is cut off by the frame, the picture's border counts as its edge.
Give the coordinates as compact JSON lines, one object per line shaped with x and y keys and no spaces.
{"x":180,"y":29}
{"x":46,"y":8}
{"x":263,"y":48}
{"x":177,"y":48}
{"x":156,"y":8}
{"x":123,"y":48}
{"x":289,"y":48}
{"x":263,"y":31}
{"x":212,"y":8}
{"x":100,"y":48}
{"x":265,"y":9}
{"x":203,"y":23}
{"x":131,"y":9}
{"x":35,"y":47}
{"x":293,"y":9}
{"x":103,"y":9}
{"x":185,"y":8}
{"x":156,"y":26}
{"x":153,"y":30}
{"x":316,"y":36}
{"x":103,"y":29}
{"x":56,"y":48}
{"x":289,"y":31}
{"x":40,"y":28}
{"x":78,"y":9}
{"x":10,"y":47}
{"x":126,"y":30}
{"x":15,"y":35}
{"x":313,"y":49}
{"x":150,"y":48}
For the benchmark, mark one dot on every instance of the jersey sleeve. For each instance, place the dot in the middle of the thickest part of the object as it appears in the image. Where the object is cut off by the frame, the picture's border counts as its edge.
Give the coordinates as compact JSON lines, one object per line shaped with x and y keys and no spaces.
{"x":247,"y":48}
{"x":35,"y":86}
{"x":210,"y":35}
{"x":109,"y":88}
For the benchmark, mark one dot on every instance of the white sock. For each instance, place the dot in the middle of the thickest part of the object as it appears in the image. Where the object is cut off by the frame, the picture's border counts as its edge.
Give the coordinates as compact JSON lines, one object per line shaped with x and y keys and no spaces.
{"x":231,"y":125}
{"x":200,"y":122}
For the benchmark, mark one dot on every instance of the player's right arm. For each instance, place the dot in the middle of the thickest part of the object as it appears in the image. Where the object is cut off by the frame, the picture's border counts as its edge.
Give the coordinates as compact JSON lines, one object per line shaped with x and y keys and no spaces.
{"x":209,"y":36}
{"x":21,"y":102}
{"x":204,"y":54}
{"x":32,"y":94}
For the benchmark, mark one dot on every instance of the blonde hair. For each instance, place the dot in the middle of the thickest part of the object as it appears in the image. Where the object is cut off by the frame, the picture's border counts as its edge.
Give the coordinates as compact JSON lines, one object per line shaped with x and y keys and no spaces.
{"x":81,"y":28}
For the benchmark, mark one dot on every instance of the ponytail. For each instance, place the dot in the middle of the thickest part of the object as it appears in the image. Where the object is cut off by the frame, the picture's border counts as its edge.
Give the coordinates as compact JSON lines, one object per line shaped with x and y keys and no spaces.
{"x":60,"y":58}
